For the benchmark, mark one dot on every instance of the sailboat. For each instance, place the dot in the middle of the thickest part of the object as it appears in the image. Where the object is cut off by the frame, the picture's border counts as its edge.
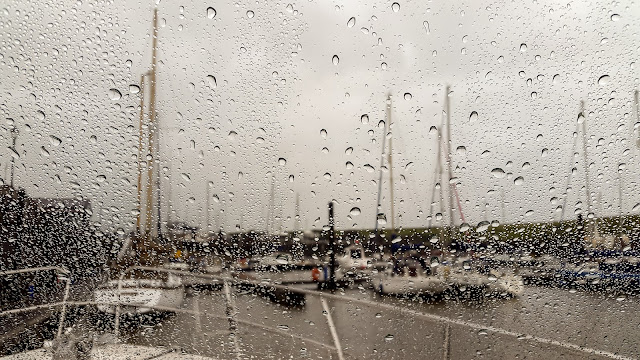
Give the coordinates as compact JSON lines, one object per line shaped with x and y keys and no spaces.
{"x":140,"y":291}
{"x":454,"y":275}
{"x":409,"y":274}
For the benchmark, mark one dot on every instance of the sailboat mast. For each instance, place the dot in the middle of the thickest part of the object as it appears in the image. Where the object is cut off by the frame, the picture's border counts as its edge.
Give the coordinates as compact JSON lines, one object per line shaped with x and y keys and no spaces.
{"x":297,"y":226}
{"x":384,"y":143}
{"x":208,"y":223}
{"x":140,"y":135}
{"x":620,"y":218}
{"x":586,"y":164}
{"x":390,"y":160}
{"x":152,"y":118}
{"x":637,"y":108}
{"x":271,"y":211}
{"x":448,"y":150}
{"x":502,"y":215}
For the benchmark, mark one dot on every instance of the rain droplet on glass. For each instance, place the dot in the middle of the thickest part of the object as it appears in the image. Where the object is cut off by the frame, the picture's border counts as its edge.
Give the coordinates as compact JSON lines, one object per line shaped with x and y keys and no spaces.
{"x":211,"y":12}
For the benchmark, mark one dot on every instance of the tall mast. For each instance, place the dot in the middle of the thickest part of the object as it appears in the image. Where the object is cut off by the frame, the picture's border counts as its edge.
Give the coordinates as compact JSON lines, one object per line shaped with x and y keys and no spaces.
{"x":208,"y":224}
{"x":271,"y":211}
{"x":620,"y":219}
{"x":448,"y":151}
{"x":502,"y":215}
{"x":140,"y":135}
{"x":158,"y":182}
{"x":586,"y":165}
{"x":384,"y":143}
{"x":437,"y":176}
{"x":169,"y":203}
{"x":152,"y":118}
{"x":635,"y":103}
{"x":390,"y":160}
{"x":297,"y":225}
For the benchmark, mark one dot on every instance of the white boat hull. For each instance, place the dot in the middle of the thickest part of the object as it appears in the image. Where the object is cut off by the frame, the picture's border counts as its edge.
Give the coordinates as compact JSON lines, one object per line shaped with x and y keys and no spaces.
{"x":503,"y":285}
{"x":139,"y":300}
{"x":422,"y":285}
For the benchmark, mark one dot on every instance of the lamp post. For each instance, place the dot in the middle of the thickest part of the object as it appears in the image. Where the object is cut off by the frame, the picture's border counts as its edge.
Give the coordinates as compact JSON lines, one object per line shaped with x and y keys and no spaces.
{"x":14,"y":136}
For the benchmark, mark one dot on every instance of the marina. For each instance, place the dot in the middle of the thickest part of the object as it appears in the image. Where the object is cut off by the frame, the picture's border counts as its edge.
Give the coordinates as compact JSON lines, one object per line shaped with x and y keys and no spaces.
{"x":319,"y":180}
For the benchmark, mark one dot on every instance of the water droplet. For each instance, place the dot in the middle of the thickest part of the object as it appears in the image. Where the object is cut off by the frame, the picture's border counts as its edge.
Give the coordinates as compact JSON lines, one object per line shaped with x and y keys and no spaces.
{"x":528,"y":213}
{"x":433,"y":130}
{"x":519,"y":180}
{"x":395,"y":7}
{"x":212,"y":81}
{"x":186,"y":177}
{"x":114,"y":94}
{"x":364,"y":119}
{"x":355,"y":211}
{"x":369,"y":168}
{"x":482,"y":332}
{"x":232,"y":135}
{"x":250,"y":14}
{"x":282,"y":161}
{"x":323,"y":133}
{"x":407,"y":96}
{"x":473,"y":117}
{"x":44,"y":151}
{"x":283,"y":327}
{"x":556,"y":78}
{"x":498,"y":173}
{"x":327,"y":176}
{"x":134,"y":89}
{"x":325,"y":150}
{"x":348,"y":150}
{"x":378,"y":315}
{"x":464,"y":227}
{"x":335,"y":60}
{"x":349,"y":165}
{"x":382,"y":219}
{"x":461,"y":150}
{"x":352,"y":22}
{"x":615,"y":17}
{"x":526,"y":166}
{"x":40,"y":115}
{"x":426,"y":26}
{"x":523,"y":47}
{"x":389,"y":337}
{"x":636,"y":207}
{"x":604,"y":80}
{"x":54,"y":140}
{"x":483,"y":226}
{"x":211,"y":12}
{"x":290,"y":8}
{"x":545,"y":152}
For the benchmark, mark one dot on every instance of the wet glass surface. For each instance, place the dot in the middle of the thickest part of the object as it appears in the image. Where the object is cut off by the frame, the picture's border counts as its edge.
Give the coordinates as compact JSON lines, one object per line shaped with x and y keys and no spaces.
{"x":318,"y":179}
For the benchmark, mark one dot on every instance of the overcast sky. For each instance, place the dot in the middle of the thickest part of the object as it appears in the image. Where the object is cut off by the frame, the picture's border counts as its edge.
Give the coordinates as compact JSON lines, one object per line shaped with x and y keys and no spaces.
{"x":523,"y":67}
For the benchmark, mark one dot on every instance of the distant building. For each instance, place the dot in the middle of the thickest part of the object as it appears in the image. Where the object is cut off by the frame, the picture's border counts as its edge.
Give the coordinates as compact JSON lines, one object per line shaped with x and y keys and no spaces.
{"x":47,"y":231}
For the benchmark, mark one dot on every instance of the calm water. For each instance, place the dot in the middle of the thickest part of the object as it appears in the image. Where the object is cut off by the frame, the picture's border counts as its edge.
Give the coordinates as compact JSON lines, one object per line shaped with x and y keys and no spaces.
{"x":591,"y":320}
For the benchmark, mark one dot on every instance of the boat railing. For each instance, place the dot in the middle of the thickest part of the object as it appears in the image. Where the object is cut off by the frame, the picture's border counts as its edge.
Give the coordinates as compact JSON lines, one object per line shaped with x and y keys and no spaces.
{"x":445,"y":323}
{"x":65,"y":298}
